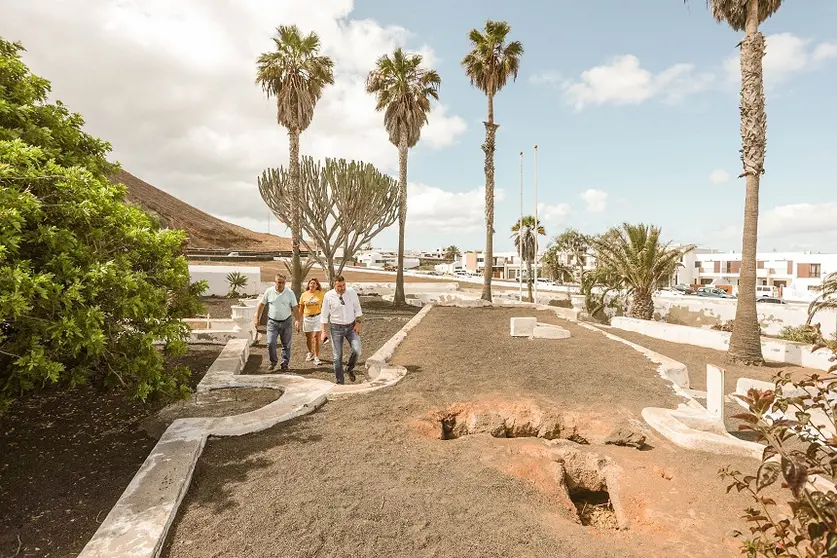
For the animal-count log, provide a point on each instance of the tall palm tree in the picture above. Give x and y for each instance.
(404, 90)
(746, 16)
(524, 233)
(489, 65)
(452, 252)
(296, 75)
(634, 252)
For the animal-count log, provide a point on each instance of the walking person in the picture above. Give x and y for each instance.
(341, 311)
(281, 313)
(310, 307)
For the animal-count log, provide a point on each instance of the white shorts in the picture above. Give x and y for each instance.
(311, 324)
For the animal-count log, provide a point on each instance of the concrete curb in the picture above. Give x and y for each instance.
(137, 525)
(381, 373)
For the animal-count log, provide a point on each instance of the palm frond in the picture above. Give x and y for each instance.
(403, 90)
(734, 12)
(492, 61)
(295, 74)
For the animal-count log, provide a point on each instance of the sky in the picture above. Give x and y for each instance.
(633, 107)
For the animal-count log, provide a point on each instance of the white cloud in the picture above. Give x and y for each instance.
(719, 176)
(550, 78)
(171, 86)
(786, 55)
(553, 214)
(799, 218)
(623, 81)
(596, 200)
(801, 226)
(440, 210)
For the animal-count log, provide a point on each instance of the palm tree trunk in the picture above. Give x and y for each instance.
(529, 278)
(296, 209)
(745, 342)
(488, 148)
(642, 305)
(400, 299)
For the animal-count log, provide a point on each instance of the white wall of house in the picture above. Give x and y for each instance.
(216, 276)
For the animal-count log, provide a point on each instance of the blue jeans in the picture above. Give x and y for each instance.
(338, 334)
(284, 330)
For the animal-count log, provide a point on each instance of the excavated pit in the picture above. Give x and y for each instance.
(511, 420)
(591, 482)
(595, 509)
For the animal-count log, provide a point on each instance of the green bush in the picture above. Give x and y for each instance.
(801, 334)
(88, 284)
(236, 280)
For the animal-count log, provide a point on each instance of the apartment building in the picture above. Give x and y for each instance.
(796, 275)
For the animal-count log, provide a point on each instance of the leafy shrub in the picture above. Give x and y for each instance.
(236, 280)
(88, 285)
(796, 450)
(807, 334)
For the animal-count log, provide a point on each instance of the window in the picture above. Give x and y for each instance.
(698, 265)
(814, 270)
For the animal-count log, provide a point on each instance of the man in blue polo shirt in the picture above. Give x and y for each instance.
(281, 311)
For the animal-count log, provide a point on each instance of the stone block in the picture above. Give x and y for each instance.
(549, 331)
(715, 391)
(523, 327)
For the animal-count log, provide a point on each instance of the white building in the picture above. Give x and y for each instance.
(795, 275)
(380, 259)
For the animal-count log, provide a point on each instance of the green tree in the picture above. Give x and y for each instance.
(88, 284)
(452, 252)
(524, 233)
(403, 89)
(489, 65)
(635, 253)
(746, 16)
(296, 75)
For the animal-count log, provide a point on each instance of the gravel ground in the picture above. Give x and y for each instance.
(696, 359)
(65, 458)
(380, 322)
(358, 478)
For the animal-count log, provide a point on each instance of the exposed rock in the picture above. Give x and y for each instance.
(625, 436)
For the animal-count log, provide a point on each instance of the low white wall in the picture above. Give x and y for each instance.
(216, 276)
(774, 350)
(702, 311)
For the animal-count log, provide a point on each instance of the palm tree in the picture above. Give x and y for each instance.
(403, 89)
(634, 252)
(296, 75)
(524, 233)
(827, 297)
(747, 15)
(452, 252)
(489, 65)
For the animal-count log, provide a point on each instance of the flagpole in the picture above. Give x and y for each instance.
(519, 240)
(536, 226)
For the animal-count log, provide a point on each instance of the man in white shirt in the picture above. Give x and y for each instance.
(341, 315)
(282, 307)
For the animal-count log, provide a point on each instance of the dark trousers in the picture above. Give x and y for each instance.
(283, 330)
(338, 334)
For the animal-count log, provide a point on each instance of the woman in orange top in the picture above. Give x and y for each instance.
(310, 305)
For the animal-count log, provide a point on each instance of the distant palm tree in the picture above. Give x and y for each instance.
(827, 297)
(296, 75)
(634, 253)
(747, 15)
(525, 234)
(404, 90)
(489, 65)
(452, 252)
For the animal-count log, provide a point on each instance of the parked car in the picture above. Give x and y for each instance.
(766, 291)
(771, 300)
(683, 289)
(712, 292)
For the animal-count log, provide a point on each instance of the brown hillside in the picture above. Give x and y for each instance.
(204, 230)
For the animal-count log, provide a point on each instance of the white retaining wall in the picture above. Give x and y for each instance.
(216, 276)
(700, 311)
(775, 350)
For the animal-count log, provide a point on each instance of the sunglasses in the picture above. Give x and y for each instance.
(341, 300)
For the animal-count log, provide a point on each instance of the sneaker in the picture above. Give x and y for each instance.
(272, 367)
(352, 376)
(317, 361)
(284, 367)
(309, 357)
